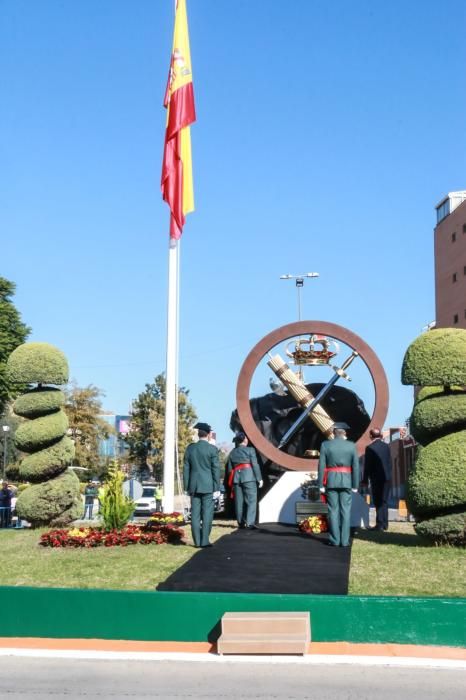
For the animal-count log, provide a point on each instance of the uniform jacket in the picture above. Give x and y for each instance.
(201, 470)
(339, 453)
(377, 462)
(243, 455)
(5, 498)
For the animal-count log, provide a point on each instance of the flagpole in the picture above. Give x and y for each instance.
(171, 379)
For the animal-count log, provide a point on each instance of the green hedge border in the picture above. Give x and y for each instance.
(194, 617)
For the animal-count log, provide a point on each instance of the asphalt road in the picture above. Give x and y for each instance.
(37, 679)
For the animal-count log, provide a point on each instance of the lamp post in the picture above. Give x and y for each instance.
(299, 280)
(6, 430)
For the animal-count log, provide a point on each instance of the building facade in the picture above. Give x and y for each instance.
(450, 261)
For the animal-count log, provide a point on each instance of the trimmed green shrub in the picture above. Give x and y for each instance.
(438, 479)
(436, 358)
(44, 503)
(36, 434)
(49, 462)
(37, 363)
(74, 512)
(444, 529)
(39, 402)
(438, 414)
(429, 391)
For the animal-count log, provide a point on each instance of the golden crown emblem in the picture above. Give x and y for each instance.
(315, 350)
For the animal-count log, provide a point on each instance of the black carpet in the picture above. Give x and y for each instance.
(272, 559)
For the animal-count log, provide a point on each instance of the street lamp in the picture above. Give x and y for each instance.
(299, 279)
(6, 430)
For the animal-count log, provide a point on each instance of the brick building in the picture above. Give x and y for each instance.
(450, 261)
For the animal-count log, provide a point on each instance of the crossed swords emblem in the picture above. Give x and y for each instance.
(339, 372)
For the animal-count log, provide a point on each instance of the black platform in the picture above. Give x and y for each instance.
(272, 559)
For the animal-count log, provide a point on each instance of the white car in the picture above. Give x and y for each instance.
(146, 505)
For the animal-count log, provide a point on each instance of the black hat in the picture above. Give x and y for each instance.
(341, 426)
(203, 426)
(239, 437)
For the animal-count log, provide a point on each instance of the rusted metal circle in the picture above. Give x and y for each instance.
(281, 334)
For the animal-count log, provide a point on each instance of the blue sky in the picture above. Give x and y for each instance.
(326, 134)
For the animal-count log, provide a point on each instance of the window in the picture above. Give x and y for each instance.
(464, 270)
(453, 237)
(455, 318)
(464, 228)
(454, 277)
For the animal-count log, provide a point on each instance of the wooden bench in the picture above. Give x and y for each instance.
(265, 633)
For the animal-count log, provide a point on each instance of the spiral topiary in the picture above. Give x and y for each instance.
(54, 496)
(436, 491)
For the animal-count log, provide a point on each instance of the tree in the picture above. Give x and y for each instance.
(146, 437)
(13, 332)
(87, 428)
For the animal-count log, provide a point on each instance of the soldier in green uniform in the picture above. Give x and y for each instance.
(201, 477)
(243, 476)
(338, 477)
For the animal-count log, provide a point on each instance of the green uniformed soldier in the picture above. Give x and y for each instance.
(243, 476)
(338, 477)
(201, 477)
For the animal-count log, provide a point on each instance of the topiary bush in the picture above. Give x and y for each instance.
(436, 358)
(438, 413)
(436, 491)
(444, 529)
(39, 402)
(54, 496)
(431, 489)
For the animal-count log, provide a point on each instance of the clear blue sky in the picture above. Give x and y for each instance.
(326, 134)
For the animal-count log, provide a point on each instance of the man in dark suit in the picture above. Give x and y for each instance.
(378, 473)
(338, 477)
(201, 479)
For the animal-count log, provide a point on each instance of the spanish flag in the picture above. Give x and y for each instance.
(177, 176)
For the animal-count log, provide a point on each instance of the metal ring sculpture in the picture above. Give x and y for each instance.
(281, 334)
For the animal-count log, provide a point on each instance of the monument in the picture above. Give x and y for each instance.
(288, 425)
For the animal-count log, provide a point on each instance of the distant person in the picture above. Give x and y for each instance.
(378, 473)
(159, 498)
(6, 494)
(243, 477)
(90, 492)
(338, 477)
(201, 479)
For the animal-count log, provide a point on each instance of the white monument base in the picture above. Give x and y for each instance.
(279, 504)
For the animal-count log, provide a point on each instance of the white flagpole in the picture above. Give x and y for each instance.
(171, 380)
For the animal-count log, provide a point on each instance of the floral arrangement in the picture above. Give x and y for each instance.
(99, 537)
(165, 519)
(314, 524)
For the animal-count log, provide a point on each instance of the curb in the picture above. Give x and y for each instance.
(319, 653)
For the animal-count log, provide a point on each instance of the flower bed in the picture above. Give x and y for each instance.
(314, 524)
(165, 519)
(98, 537)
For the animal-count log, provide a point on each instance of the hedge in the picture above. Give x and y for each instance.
(35, 434)
(49, 462)
(52, 502)
(444, 528)
(37, 363)
(438, 478)
(39, 402)
(438, 415)
(436, 358)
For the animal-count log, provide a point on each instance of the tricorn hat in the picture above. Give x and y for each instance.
(341, 426)
(203, 426)
(239, 437)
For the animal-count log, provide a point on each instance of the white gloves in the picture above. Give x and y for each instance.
(354, 490)
(216, 494)
(260, 484)
(322, 489)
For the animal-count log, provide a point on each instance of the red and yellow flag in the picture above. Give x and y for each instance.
(177, 176)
